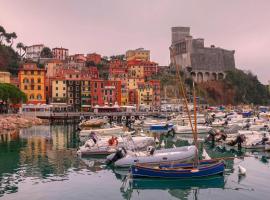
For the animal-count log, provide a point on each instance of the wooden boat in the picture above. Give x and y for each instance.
(184, 171)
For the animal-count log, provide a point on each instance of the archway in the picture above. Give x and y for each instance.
(214, 76)
(200, 77)
(220, 76)
(206, 76)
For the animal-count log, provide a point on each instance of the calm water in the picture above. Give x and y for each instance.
(41, 163)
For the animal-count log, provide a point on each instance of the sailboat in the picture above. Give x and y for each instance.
(196, 169)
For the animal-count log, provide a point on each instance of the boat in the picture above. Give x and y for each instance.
(107, 145)
(181, 171)
(177, 129)
(124, 158)
(161, 127)
(111, 130)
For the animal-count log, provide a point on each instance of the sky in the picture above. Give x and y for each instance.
(111, 27)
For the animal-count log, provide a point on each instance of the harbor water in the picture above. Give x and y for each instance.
(41, 163)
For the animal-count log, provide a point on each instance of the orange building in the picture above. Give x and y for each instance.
(32, 82)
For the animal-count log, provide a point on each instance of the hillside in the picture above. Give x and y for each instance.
(9, 59)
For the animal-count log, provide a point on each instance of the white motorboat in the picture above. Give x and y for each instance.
(106, 145)
(112, 130)
(125, 158)
(177, 129)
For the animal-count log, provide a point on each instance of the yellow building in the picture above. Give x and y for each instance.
(4, 77)
(138, 54)
(32, 83)
(145, 94)
(133, 83)
(58, 90)
(86, 94)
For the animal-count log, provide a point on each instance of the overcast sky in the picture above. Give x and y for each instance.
(111, 27)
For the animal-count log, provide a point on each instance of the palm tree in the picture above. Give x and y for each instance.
(21, 47)
(10, 37)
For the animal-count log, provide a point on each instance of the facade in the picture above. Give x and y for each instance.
(60, 53)
(105, 92)
(32, 83)
(86, 94)
(94, 57)
(138, 54)
(135, 69)
(59, 90)
(200, 62)
(52, 67)
(4, 77)
(33, 52)
(156, 98)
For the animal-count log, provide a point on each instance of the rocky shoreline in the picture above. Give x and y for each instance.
(16, 121)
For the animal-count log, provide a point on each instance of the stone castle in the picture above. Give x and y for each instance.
(200, 62)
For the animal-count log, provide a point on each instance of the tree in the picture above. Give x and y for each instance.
(11, 94)
(2, 34)
(46, 53)
(21, 47)
(10, 38)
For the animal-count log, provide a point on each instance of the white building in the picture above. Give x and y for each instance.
(33, 52)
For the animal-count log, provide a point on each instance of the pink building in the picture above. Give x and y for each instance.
(60, 53)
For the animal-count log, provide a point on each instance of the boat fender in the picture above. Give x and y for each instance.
(124, 117)
(105, 117)
(115, 118)
(141, 117)
(91, 117)
(132, 117)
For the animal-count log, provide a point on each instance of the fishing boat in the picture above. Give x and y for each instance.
(204, 169)
(124, 158)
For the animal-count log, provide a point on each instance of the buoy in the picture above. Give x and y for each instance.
(132, 117)
(115, 118)
(242, 170)
(162, 144)
(124, 118)
(205, 155)
(91, 117)
(105, 117)
(141, 117)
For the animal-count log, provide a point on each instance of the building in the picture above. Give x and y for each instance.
(73, 88)
(59, 92)
(60, 53)
(135, 69)
(32, 83)
(15, 81)
(86, 103)
(4, 77)
(33, 52)
(200, 62)
(138, 54)
(94, 57)
(52, 67)
(156, 98)
(105, 92)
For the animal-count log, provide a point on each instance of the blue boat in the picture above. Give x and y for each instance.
(181, 170)
(161, 127)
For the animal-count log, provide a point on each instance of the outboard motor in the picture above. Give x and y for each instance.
(120, 153)
(151, 150)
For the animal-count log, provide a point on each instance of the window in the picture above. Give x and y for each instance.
(25, 87)
(102, 85)
(32, 80)
(32, 72)
(110, 92)
(56, 82)
(77, 88)
(39, 97)
(56, 94)
(71, 101)
(39, 87)
(95, 84)
(64, 88)
(70, 95)
(77, 76)
(77, 95)
(77, 101)
(56, 88)
(71, 88)
(38, 72)
(64, 95)
(32, 87)
(25, 80)
(31, 96)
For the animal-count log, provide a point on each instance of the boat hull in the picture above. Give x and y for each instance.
(181, 173)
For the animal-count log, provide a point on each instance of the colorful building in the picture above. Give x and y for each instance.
(4, 77)
(94, 57)
(86, 94)
(138, 54)
(156, 99)
(32, 83)
(135, 69)
(145, 94)
(60, 53)
(52, 67)
(59, 92)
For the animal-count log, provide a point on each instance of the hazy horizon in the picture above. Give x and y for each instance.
(112, 27)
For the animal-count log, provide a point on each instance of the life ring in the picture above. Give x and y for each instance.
(105, 117)
(115, 118)
(132, 117)
(141, 117)
(124, 117)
